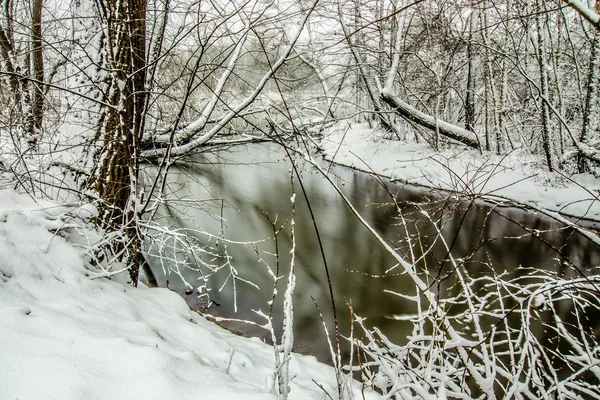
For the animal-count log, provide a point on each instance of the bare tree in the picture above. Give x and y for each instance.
(543, 63)
(470, 96)
(592, 92)
(22, 56)
(37, 64)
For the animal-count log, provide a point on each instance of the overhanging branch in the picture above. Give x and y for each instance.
(411, 114)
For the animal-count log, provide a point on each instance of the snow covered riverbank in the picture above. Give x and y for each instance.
(65, 335)
(517, 177)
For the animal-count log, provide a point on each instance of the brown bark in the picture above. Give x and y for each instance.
(117, 172)
(37, 58)
(6, 49)
(591, 92)
(470, 97)
(543, 64)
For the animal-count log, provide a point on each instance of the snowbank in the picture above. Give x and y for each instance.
(517, 177)
(66, 336)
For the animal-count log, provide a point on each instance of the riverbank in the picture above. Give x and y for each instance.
(518, 177)
(67, 333)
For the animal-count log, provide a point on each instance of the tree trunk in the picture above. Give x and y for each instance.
(443, 128)
(504, 82)
(491, 114)
(470, 98)
(542, 60)
(116, 175)
(592, 89)
(7, 51)
(555, 57)
(37, 58)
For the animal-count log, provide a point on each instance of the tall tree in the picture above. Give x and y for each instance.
(37, 64)
(116, 173)
(470, 96)
(592, 92)
(21, 52)
(544, 90)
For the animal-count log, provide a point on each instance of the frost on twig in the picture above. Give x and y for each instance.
(521, 335)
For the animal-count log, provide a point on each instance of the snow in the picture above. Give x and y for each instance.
(517, 177)
(66, 336)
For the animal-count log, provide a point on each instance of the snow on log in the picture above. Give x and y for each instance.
(410, 113)
(589, 152)
(586, 12)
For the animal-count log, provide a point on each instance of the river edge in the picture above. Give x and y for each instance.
(515, 180)
(241, 329)
(232, 157)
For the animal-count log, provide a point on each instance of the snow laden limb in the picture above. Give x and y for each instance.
(177, 250)
(186, 133)
(283, 351)
(411, 114)
(527, 333)
(200, 138)
(479, 332)
(408, 112)
(590, 15)
(555, 215)
(389, 96)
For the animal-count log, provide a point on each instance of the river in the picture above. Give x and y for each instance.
(228, 200)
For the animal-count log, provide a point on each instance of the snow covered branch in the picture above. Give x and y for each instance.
(203, 138)
(410, 113)
(590, 15)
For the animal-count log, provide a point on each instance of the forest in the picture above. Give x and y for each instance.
(104, 102)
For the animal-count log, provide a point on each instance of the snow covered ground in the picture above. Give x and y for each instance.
(65, 335)
(517, 177)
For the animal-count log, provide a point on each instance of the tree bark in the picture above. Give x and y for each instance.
(470, 97)
(492, 131)
(592, 16)
(116, 176)
(7, 49)
(543, 64)
(504, 83)
(37, 58)
(592, 90)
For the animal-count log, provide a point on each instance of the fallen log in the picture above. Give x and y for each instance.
(410, 113)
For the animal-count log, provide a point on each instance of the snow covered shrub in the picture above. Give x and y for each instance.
(507, 335)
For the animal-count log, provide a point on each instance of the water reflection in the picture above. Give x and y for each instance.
(231, 194)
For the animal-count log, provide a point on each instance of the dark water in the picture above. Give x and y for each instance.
(231, 194)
